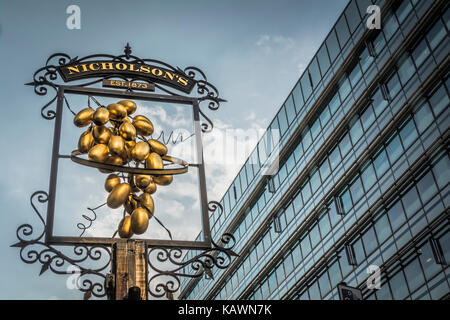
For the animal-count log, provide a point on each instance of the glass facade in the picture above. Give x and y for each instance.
(364, 170)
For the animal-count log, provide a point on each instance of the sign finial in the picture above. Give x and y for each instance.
(127, 50)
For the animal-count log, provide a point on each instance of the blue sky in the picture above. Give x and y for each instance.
(253, 51)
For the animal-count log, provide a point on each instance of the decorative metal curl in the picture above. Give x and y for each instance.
(47, 76)
(33, 249)
(168, 281)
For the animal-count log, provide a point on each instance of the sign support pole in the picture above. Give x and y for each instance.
(129, 268)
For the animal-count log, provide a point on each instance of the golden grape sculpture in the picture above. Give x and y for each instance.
(112, 139)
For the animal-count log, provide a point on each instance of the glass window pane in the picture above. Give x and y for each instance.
(334, 274)
(381, 164)
(365, 59)
(324, 117)
(332, 45)
(367, 117)
(345, 145)
(423, 117)
(414, 275)
(346, 201)
(335, 158)
(379, 43)
(390, 26)
(315, 129)
(420, 53)
(314, 292)
(282, 120)
(396, 216)
(383, 228)
(324, 61)
(405, 69)
(398, 286)
(306, 192)
(298, 97)
(442, 172)
(411, 202)
(324, 225)
(439, 100)
(394, 149)
(379, 103)
(334, 103)
(370, 241)
(324, 284)
(368, 177)
(356, 190)
(355, 75)
(356, 130)
(342, 31)
(403, 11)
(436, 34)
(429, 265)
(315, 181)
(306, 138)
(352, 15)
(393, 85)
(315, 72)
(408, 134)
(290, 109)
(314, 236)
(427, 188)
(359, 251)
(325, 170)
(306, 246)
(344, 87)
(306, 85)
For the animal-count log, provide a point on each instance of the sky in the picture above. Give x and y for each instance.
(252, 51)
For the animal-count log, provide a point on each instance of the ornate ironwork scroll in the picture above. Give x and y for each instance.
(33, 249)
(47, 77)
(165, 282)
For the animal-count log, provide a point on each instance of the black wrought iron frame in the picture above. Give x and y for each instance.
(213, 254)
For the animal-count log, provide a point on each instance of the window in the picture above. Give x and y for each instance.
(334, 104)
(368, 177)
(390, 26)
(352, 15)
(342, 31)
(436, 34)
(405, 69)
(356, 130)
(367, 117)
(429, 265)
(314, 72)
(306, 192)
(314, 292)
(355, 75)
(396, 215)
(420, 53)
(403, 11)
(332, 45)
(382, 228)
(381, 164)
(298, 97)
(393, 86)
(324, 225)
(334, 274)
(379, 102)
(370, 241)
(365, 59)
(408, 134)
(344, 87)
(398, 286)
(306, 246)
(394, 149)
(423, 117)
(414, 275)
(427, 187)
(442, 172)
(306, 86)
(315, 181)
(315, 129)
(306, 138)
(411, 202)
(325, 117)
(379, 43)
(283, 123)
(346, 201)
(356, 190)
(335, 158)
(315, 236)
(290, 109)
(324, 61)
(439, 100)
(272, 282)
(324, 169)
(324, 284)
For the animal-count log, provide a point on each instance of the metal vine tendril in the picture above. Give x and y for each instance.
(168, 281)
(33, 249)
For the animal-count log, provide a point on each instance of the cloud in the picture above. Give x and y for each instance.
(275, 43)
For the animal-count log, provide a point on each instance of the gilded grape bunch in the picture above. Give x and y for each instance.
(135, 168)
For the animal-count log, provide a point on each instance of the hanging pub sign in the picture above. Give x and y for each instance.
(77, 71)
